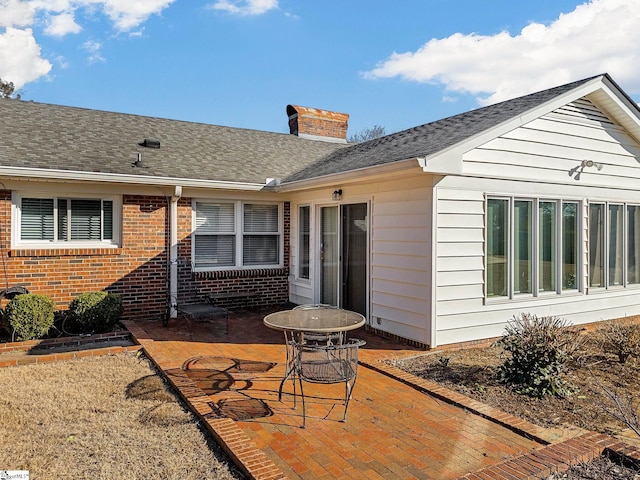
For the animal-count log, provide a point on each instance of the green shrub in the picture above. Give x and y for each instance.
(621, 338)
(539, 349)
(94, 312)
(30, 316)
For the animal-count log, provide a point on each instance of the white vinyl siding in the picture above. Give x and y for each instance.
(237, 235)
(545, 159)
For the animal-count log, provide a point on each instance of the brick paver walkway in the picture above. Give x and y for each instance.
(398, 426)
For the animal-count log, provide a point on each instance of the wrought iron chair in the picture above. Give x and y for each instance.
(330, 338)
(306, 337)
(326, 364)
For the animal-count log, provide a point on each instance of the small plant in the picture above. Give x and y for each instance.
(30, 316)
(94, 312)
(539, 347)
(620, 337)
(444, 361)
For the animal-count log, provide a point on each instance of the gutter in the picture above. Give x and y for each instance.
(351, 175)
(49, 174)
(173, 251)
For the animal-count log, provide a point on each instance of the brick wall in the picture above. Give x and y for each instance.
(138, 270)
(317, 122)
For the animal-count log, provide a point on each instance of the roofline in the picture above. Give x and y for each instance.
(349, 175)
(448, 160)
(51, 174)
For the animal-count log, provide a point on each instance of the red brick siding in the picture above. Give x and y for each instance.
(321, 127)
(138, 270)
(271, 284)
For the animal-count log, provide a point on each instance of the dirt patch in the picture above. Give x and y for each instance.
(473, 372)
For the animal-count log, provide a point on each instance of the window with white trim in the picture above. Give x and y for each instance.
(532, 247)
(60, 221)
(614, 245)
(304, 240)
(237, 235)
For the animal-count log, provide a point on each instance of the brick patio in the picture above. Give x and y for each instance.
(398, 426)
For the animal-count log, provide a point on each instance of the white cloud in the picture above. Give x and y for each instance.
(598, 36)
(15, 13)
(61, 25)
(25, 66)
(20, 56)
(245, 7)
(93, 48)
(128, 14)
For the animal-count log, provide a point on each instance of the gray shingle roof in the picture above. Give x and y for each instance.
(427, 139)
(44, 136)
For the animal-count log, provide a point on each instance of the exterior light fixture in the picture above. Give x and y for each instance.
(337, 194)
(591, 163)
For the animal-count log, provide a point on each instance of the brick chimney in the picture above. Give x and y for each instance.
(317, 124)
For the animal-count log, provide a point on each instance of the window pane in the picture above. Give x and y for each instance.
(596, 245)
(522, 248)
(215, 250)
(86, 220)
(633, 236)
(260, 218)
(547, 246)
(304, 220)
(616, 247)
(63, 219)
(570, 246)
(260, 250)
(36, 222)
(497, 245)
(107, 213)
(215, 218)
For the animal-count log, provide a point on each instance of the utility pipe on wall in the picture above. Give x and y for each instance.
(173, 251)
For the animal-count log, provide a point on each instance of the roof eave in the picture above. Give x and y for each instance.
(78, 176)
(349, 176)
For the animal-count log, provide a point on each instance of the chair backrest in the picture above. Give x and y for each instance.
(327, 363)
(313, 306)
(328, 338)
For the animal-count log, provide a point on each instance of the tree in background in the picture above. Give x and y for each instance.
(8, 90)
(376, 131)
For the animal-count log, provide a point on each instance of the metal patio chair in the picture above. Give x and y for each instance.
(306, 337)
(329, 338)
(326, 364)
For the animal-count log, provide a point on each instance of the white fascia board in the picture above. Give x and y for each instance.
(619, 107)
(66, 175)
(350, 176)
(449, 160)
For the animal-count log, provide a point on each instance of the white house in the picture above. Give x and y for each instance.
(438, 234)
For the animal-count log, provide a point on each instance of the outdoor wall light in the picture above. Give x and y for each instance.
(591, 163)
(337, 194)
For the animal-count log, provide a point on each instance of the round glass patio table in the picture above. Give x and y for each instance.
(315, 320)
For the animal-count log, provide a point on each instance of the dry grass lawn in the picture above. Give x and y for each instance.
(101, 418)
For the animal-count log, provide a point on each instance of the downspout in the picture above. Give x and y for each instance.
(173, 251)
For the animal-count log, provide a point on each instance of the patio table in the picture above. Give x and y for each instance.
(317, 320)
(295, 323)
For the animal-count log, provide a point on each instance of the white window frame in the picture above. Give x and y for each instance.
(16, 214)
(238, 233)
(607, 246)
(535, 280)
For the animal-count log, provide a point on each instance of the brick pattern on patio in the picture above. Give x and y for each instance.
(398, 426)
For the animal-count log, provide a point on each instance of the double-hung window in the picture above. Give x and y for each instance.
(56, 221)
(532, 246)
(614, 245)
(237, 235)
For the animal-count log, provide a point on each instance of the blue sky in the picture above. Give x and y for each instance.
(240, 62)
